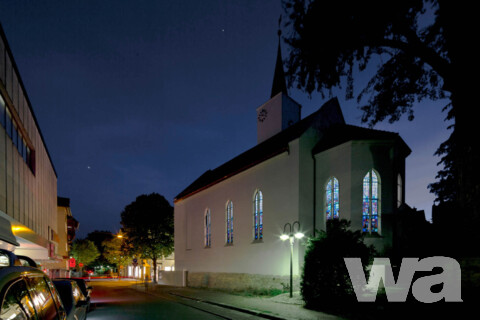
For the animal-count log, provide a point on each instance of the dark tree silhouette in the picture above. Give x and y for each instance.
(98, 236)
(148, 225)
(424, 50)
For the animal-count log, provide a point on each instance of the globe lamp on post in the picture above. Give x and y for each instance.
(291, 235)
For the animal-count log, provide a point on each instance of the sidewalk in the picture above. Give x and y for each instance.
(277, 307)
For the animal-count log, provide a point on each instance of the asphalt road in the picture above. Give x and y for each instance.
(116, 300)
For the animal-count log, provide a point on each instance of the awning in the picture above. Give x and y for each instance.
(7, 238)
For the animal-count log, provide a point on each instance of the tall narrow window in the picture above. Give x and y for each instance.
(371, 205)
(399, 190)
(229, 220)
(29, 159)
(208, 229)
(15, 134)
(8, 123)
(258, 215)
(332, 199)
(2, 111)
(24, 150)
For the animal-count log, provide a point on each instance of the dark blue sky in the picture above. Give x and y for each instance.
(144, 96)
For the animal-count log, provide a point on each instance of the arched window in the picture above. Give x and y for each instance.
(229, 221)
(332, 199)
(371, 203)
(208, 228)
(399, 190)
(258, 215)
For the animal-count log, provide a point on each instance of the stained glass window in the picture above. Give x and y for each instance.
(332, 203)
(229, 218)
(208, 229)
(371, 205)
(258, 215)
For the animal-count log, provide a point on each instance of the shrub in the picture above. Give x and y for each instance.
(325, 283)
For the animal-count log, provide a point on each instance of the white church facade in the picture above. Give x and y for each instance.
(228, 222)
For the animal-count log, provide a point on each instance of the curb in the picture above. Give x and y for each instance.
(255, 313)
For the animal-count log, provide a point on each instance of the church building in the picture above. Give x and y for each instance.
(301, 173)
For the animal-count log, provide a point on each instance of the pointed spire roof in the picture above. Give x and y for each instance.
(279, 83)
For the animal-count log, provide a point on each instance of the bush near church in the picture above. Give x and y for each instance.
(325, 283)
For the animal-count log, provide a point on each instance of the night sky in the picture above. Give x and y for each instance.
(136, 97)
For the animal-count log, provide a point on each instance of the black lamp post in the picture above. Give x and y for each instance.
(291, 235)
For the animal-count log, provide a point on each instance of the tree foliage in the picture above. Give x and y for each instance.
(84, 251)
(421, 49)
(98, 237)
(117, 251)
(325, 280)
(148, 224)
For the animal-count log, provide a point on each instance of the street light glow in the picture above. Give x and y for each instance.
(299, 235)
(291, 236)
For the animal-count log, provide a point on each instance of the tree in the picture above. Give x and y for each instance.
(325, 282)
(84, 251)
(117, 251)
(423, 51)
(148, 224)
(98, 237)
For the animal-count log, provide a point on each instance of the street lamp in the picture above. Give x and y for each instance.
(291, 235)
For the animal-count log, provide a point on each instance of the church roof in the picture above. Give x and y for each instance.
(339, 134)
(327, 115)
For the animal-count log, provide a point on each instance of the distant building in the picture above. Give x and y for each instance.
(28, 181)
(228, 221)
(65, 213)
(67, 227)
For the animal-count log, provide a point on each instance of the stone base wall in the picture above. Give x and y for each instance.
(241, 281)
(172, 278)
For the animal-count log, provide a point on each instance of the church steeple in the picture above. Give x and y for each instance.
(281, 111)
(279, 84)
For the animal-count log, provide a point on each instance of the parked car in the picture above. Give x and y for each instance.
(82, 284)
(26, 292)
(73, 300)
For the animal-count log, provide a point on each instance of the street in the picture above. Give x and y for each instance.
(127, 299)
(114, 299)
